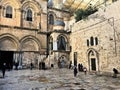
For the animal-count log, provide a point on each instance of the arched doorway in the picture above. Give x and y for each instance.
(29, 47)
(93, 60)
(8, 45)
(62, 62)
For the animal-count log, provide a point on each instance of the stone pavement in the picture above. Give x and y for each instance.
(56, 79)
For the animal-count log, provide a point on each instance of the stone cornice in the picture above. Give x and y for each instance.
(61, 10)
(61, 31)
(24, 28)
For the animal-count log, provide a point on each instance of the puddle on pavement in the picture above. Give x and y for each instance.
(67, 86)
(32, 78)
(43, 79)
(40, 79)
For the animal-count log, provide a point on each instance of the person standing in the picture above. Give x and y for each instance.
(70, 65)
(75, 71)
(115, 72)
(85, 70)
(3, 69)
(79, 67)
(31, 66)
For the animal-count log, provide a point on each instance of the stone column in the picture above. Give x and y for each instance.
(55, 45)
(20, 60)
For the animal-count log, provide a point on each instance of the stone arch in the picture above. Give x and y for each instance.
(66, 39)
(35, 6)
(36, 9)
(9, 42)
(93, 59)
(33, 42)
(13, 3)
(51, 13)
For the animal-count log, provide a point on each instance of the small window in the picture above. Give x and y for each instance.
(96, 41)
(8, 12)
(29, 15)
(87, 42)
(91, 41)
(51, 19)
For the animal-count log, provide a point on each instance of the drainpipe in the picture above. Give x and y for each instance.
(111, 22)
(47, 49)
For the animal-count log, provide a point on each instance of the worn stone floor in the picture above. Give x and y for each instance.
(56, 79)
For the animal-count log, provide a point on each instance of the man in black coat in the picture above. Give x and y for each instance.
(3, 69)
(75, 71)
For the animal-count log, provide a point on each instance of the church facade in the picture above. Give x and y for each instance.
(40, 31)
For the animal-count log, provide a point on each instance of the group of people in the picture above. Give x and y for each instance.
(76, 71)
(115, 71)
(80, 68)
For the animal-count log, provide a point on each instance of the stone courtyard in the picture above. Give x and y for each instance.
(56, 79)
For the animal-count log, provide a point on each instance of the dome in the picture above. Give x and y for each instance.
(59, 23)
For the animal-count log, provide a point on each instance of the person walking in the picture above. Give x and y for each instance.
(70, 65)
(85, 70)
(3, 69)
(31, 66)
(79, 67)
(75, 71)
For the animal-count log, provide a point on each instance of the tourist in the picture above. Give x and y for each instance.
(3, 69)
(85, 70)
(75, 71)
(31, 66)
(70, 65)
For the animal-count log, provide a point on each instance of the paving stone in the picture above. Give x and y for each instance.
(56, 79)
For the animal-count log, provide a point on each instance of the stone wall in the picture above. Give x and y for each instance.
(26, 39)
(104, 25)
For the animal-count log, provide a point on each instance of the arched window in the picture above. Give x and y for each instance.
(91, 41)
(29, 15)
(96, 41)
(51, 19)
(8, 12)
(91, 53)
(61, 43)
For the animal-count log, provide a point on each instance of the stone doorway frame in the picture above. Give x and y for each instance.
(93, 54)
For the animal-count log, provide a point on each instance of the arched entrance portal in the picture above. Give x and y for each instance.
(93, 60)
(8, 44)
(30, 51)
